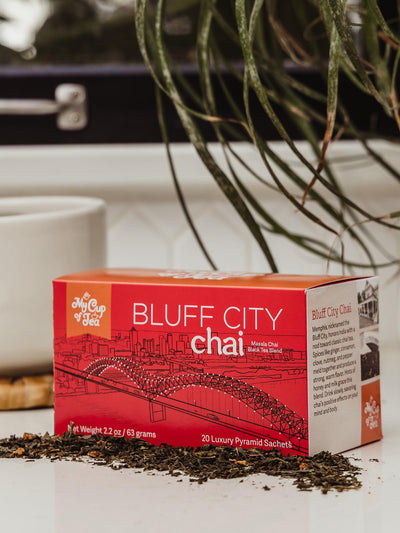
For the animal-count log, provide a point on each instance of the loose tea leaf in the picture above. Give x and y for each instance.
(324, 470)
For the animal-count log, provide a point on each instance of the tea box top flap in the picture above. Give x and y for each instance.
(203, 277)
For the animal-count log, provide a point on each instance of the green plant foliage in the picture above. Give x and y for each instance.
(267, 36)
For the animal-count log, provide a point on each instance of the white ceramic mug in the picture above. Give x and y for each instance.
(41, 238)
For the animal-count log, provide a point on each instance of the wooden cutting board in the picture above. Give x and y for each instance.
(26, 392)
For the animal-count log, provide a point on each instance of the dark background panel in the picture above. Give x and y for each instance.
(121, 102)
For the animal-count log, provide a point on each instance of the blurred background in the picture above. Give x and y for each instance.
(114, 148)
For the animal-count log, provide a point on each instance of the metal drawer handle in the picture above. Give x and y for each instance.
(70, 106)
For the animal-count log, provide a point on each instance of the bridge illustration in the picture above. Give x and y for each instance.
(160, 390)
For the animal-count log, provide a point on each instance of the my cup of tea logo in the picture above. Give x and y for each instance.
(372, 412)
(88, 309)
(371, 426)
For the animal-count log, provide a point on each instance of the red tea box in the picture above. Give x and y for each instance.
(237, 359)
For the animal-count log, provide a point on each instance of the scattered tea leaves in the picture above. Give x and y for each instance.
(323, 471)
(18, 452)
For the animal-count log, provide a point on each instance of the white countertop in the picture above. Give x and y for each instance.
(66, 497)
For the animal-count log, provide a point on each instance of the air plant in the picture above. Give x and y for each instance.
(335, 39)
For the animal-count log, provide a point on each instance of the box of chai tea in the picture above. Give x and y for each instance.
(237, 359)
